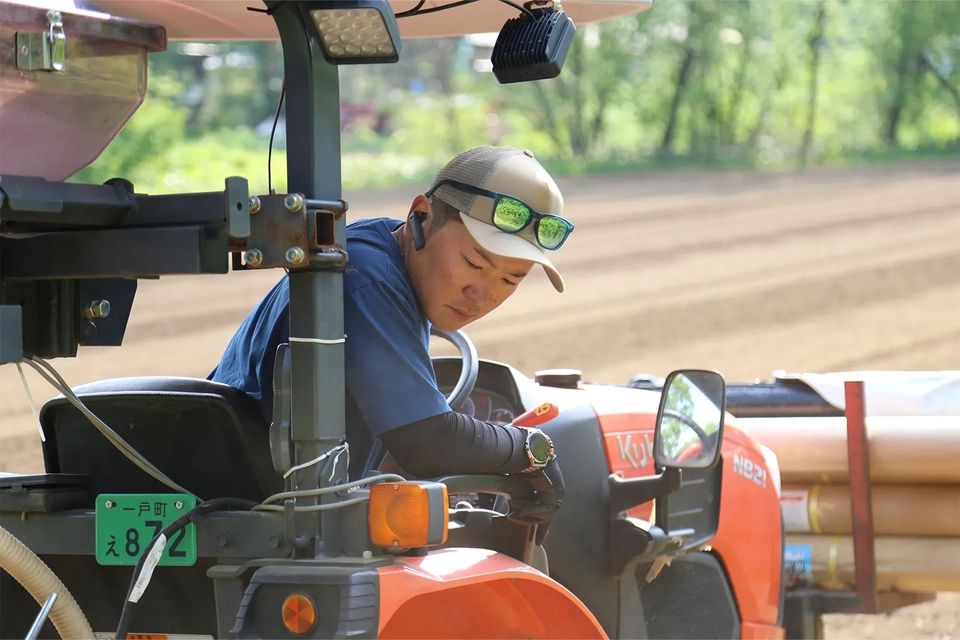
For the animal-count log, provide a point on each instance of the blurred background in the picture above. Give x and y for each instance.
(757, 185)
(705, 83)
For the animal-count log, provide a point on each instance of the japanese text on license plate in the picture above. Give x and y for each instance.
(126, 523)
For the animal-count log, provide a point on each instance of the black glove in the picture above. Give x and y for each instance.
(547, 484)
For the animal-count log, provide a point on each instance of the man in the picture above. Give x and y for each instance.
(491, 214)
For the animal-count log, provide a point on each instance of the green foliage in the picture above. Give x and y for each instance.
(703, 82)
(673, 432)
(154, 130)
(684, 403)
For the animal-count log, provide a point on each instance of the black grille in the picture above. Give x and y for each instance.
(689, 599)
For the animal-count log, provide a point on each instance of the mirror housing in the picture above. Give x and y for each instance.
(689, 428)
(688, 437)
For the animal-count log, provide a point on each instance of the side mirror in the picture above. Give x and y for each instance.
(689, 428)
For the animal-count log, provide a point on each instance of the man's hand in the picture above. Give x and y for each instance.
(547, 484)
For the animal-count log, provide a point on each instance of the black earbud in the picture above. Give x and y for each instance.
(416, 228)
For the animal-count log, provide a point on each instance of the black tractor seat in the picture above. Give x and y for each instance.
(208, 437)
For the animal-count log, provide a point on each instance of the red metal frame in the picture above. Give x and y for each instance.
(861, 498)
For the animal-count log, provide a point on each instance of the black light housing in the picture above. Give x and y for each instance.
(533, 48)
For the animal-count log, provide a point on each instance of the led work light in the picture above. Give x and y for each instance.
(358, 32)
(533, 46)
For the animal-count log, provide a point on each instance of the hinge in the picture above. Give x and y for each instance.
(43, 51)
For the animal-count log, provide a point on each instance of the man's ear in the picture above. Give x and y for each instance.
(422, 204)
(420, 212)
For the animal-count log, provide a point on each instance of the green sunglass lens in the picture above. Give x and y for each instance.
(510, 215)
(551, 232)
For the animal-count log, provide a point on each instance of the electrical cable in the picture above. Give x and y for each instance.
(417, 11)
(148, 560)
(421, 12)
(313, 508)
(138, 459)
(143, 571)
(311, 493)
(522, 8)
(273, 131)
(33, 406)
(132, 454)
(410, 12)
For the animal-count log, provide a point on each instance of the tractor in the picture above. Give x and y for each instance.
(170, 508)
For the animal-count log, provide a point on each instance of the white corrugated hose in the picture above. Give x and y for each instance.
(37, 578)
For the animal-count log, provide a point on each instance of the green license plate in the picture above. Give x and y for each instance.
(127, 522)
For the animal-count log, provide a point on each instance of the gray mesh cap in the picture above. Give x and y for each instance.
(511, 172)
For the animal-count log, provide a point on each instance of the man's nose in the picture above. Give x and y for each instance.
(476, 292)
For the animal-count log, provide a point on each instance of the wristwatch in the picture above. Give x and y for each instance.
(539, 449)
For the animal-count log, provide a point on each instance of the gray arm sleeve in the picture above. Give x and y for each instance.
(454, 443)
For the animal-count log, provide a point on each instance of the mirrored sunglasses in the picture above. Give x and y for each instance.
(511, 215)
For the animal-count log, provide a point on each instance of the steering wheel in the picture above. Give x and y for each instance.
(468, 370)
(687, 420)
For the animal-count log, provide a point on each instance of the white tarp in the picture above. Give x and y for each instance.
(890, 393)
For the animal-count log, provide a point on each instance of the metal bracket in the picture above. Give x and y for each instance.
(290, 527)
(45, 51)
(290, 231)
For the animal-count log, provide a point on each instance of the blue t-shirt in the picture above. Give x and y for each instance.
(390, 379)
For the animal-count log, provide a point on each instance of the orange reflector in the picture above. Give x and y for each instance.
(408, 514)
(299, 613)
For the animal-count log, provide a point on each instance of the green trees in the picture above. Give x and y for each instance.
(705, 81)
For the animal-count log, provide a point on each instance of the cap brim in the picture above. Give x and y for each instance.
(510, 246)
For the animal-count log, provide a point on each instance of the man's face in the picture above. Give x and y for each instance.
(457, 281)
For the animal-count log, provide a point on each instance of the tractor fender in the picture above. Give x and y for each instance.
(477, 593)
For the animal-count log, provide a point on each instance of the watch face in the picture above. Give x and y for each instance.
(539, 447)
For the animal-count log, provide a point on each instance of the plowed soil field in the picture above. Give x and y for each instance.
(744, 272)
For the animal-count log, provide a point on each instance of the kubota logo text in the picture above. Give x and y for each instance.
(636, 455)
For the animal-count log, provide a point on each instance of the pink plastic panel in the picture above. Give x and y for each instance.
(52, 124)
(230, 19)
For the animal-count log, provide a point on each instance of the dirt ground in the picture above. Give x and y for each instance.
(743, 272)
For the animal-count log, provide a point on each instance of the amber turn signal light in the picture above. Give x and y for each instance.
(408, 514)
(299, 613)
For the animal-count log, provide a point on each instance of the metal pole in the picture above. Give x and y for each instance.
(861, 496)
(41, 617)
(316, 293)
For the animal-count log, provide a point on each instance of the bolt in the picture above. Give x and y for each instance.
(254, 205)
(54, 16)
(368, 554)
(396, 543)
(110, 504)
(293, 202)
(295, 255)
(97, 309)
(224, 540)
(253, 257)
(396, 488)
(178, 504)
(275, 542)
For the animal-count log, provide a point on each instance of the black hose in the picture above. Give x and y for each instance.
(202, 509)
